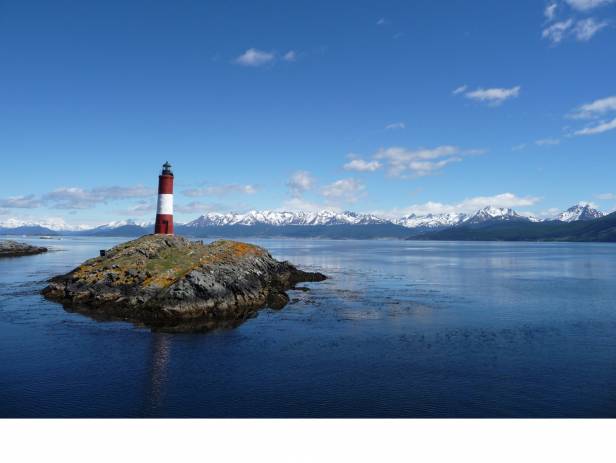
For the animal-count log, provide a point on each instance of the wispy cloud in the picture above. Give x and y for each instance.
(395, 126)
(519, 147)
(143, 207)
(607, 196)
(346, 190)
(221, 190)
(255, 58)
(80, 198)
(300, 182)
(289, 56)
(382, 22)
(595, 108)
(547, 141)
(491, 96)
(300, 204)
(579, 29)
(197, 207)
(361, 165)
(21, 202)
(556, 32)
(585, 29)
(597, 129)
(586, 5)
(550, 11)
(460, 89)
(403, 162)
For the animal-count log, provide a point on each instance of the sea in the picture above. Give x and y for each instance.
(400, 329)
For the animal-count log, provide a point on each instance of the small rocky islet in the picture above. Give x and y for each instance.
(171, 283)
(10, 248)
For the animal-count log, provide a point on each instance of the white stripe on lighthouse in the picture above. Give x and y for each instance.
(165, 204)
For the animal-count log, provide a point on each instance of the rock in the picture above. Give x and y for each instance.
(10, 248)
(174, 284)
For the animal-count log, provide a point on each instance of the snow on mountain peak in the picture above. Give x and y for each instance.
(581, 211)
(431, 220)
(494, 213)
(123, 223)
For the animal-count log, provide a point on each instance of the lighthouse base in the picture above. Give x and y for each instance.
(164, 224)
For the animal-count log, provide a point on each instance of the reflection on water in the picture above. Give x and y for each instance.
(400, 329)
(161, 346)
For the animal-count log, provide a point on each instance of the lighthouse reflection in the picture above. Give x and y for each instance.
(159, 370)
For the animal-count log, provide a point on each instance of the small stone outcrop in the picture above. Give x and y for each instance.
(174, 284)
(9, 248)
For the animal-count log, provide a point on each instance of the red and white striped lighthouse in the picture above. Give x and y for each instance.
(164, 211)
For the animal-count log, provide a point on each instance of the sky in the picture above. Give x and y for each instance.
(388, 107)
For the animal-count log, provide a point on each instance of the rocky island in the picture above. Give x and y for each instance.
(174, 284)
(9, 248)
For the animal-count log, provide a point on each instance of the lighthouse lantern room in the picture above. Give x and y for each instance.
(164, 211)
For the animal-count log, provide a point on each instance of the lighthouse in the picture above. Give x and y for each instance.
(164, 210)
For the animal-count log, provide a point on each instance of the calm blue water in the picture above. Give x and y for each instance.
(402, 329)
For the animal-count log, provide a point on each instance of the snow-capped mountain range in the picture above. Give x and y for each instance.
(55, 224)
(581, 211)
(285, 218)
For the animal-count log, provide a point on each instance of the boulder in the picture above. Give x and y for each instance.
(9, 248)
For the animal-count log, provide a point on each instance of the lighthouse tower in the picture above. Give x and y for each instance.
(164, 211)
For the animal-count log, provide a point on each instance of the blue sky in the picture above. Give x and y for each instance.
(383, 106)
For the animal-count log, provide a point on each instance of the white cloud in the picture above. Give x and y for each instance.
(300, 182)
(143, 207)
(493, 96)
(589, 204)
(395, 126)
(360, 165)
(253, 57)
(550, 11)
(594, 109)
(550, 213)
(519, 147)
(597, 129)
(221, 190)
(299, 204)
(586, 5)
(585, 29)
(197, 207)
(469, 205)
(607, 196)
(382, 22)
(582, 30)
(547, 141)
(460, 89)
(403, 162)
(346, 190)
(79, 198)
(291, 55)
(500, 200)
(21, 202)
(557, 31)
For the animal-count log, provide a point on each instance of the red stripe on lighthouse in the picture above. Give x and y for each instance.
(165, 185)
